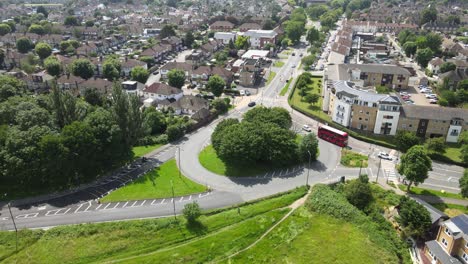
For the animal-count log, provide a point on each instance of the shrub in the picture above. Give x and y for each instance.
(191, 212)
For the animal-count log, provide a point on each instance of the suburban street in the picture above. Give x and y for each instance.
(82, 206)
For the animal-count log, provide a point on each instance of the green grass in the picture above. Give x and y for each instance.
(286, 87)
(156, 184)
(210, 161)
(353, 159)
(315, 110)
(451, 210)
(453, 152)
(278, 64)
(314, 238)
(422, 191)
(271, 77)
(114, 240)
(140, 151)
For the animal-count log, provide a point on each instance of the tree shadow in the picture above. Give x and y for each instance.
(196, 227)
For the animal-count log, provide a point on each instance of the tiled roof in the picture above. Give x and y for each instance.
(434, 113)
(162, 89)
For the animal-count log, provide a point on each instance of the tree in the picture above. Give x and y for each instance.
(453, 19)
(4, 29)
(275, 115)
(218, 134)
(313, 35)
(220, 105)
(191, 212)
(405, 140)
(216, 85)
(189, 39)
(415, 165)
(434, 41)
(294, 30)
(171, 3)
(359, 192)
(312, 98)
(37, 29)
(89, 23)
(463, 140)
(315, 11)
(406, 35)
(167, 31)
(175, 132)
(242, 42)
(71, 21)
(176, 78)
(64, 107)
(154, 120)
(93, 97)
(111, 69)
(268, 24)
(82, 68)
(423, 56)
(436, 145)
(447, 66)
(139, 74)
(308, 144)
(42, 10)
(427, 15)
(410, 48)
(464, 184)
(414, 217)
(23, 45)
(43, 50)
(52, 65)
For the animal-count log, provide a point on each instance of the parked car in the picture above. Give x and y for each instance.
(409, 102)
(405, 97)
(306, 128)
(431, 96)
(242, 92)
(426, 91)
(251, 104)
(433, 101)
(404, 93)
(384, 155)
(247, 92)
(293, 54)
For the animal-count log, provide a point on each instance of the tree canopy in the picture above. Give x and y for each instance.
(414, 217)
(139, 74)
(82, 68)
(415, 165)
(176, 78)
(43, 50)
(216, 85)
(406, 139)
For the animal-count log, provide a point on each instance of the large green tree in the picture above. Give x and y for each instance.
(111, 69)
(406, 139)
(427, 15)
(43, 50)
(71, 21)
(415, 165)
(447, 66)
(410, 48)
(37, 29)
(24, 45)
(139, 74)
(423, 56)
(82, 68)
(176, 78)
(52, 65)
(294, 30)
(242, 42)
(167, 31)
(189, 39)
(414, 217)
(308, 148)
(359, 192)
(216, 85)
(4, 29)
(276, 115)
(464, 184)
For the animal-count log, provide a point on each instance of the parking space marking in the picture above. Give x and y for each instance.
(79, 207)
(107, 205)
(181, 198)
(23, 216)
(163, 201)
(143, 203)
(125, 205)
(190, 198)
(134, 204)
(97, 208)
(4, 218)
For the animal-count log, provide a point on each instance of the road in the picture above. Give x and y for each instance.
(83, 208)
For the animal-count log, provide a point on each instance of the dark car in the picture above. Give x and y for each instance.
(251, 104)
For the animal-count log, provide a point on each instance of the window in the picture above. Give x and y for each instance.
(388, 117)
(444, 242)
(360, 118)
(367, 113)
(432, 255)
(410, 125)
(447, 231)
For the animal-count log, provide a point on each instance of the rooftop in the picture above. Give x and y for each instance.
(434, 113)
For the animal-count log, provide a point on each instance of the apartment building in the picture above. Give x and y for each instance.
(451, 243)
(260, 38)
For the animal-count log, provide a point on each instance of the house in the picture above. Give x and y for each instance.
(249, 26)
(225, 37)
(101, 85)
(202, 74)
(157, 52)
(256, 54)
(222, 26)
(128, 64)
(69, 82)
(260, 38)
(132, 87)
(186, 67)
(161, 91)
(440, 26)
(338, 53)
(451, 243)
(189, 105)
(174, 42)
(451, 78)
(429, 121)
(39, 82)
(434, 65)
(249, 72)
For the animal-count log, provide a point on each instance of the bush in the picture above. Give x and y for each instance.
(192, 212)
(174, 132)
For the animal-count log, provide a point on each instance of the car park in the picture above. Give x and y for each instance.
(306, 128)
(251, 104)
(384, 155)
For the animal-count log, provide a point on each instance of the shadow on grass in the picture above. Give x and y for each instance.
(196, 227)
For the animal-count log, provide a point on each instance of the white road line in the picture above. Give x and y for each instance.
(98, 207)
(441, 186)
(143, 203)
(106, 206)
(153, 202)
(372, 174)
(125, 205)
(78, 208)
(442, 174)
(134, 204)
(190, 198)
(163, 201)
(88, 206)
(63, 212)
(115, 205)
(181, 199)
(172, 200)
(27, 216)
(4, 218)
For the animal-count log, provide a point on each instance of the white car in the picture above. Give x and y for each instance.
(426, 91)
(433, 101)
(431, 96)
(384, 155)
(306, 128)
(242, 92)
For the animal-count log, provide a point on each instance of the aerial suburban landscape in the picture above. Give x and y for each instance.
(234, 131)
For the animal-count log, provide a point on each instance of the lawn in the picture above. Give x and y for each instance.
(156, 184)
(286, 87)
(278, 64)
(140, 151)
(315, 110)
(210, 161)
(422, 191)
(314, 238)
(353, 159)
(453, 152)
(451, 210)
(103, 242)
(271, 77)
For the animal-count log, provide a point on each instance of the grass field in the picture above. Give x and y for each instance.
(278, 64)
(103, 242)
(451, 210)
(353, 159)
(316, 109)
(271, 77)
(210, 161)
(421, 191)
(140, 151)
(313, 238)
(286, 87)
(156, 184)
(453, 152)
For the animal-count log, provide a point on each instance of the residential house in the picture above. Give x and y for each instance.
(430, 121)
(132, 87)
(249, 26)
(440, 26)
(189, 105)
(249, 72)
(69, 82)
(451, 78)
(202, 74)
(260, 38)
(186, 67)
(158, 52)
(161, 91)
(128, 64)
(101, 85)
(222, 26)
(39, 82)
(434, 65)
(225, 37)
(174, 42)
(210, 48)
(451, 243)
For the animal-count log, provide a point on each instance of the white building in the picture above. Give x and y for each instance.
(225, 37)
(260, 38)
(388, 115)
(161, 91)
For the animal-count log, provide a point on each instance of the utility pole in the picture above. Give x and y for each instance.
(173, 200)
(378, 171)
(14, 224)
(308, 169)
(360, 168)
(178, 161)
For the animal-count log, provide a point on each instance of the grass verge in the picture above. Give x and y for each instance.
(140, 151)
(278, 64)
(271, 77)
(210, 161)
(451, 210)
(286, 87)
(422, 191)
(156, 184)
(353, 159)
(102, 242)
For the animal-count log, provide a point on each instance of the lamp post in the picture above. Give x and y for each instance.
(178, 160)
(360, 168)
(14, 223)
(378, 171)
(173, 200)
(308, 169)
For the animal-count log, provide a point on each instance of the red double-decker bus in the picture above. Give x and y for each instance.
(333, 135)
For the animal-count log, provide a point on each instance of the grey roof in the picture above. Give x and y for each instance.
(347, 87)
(436, 214)
(374, 68)
(461, 222)
(440, 253)
(434, 113)
(391, 99)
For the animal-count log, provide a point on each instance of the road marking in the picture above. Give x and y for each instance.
(440, 186)
(98, 207)
(181, 199)
(143, 203)
(125, 205)
(4, 218)
(134, 204)
(27, 216)
(172, 200)
(163, 201)
(79, 208)
(153, 202)
(85, 210)
(190, 198)
(107, 205)
(41, 208)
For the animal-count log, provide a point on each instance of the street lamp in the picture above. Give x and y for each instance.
(378, 171)
(308, 169)
(173, 200)
(178, 160)
(14, 224)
